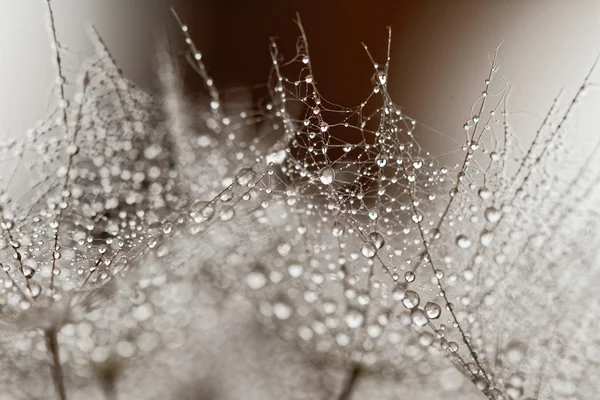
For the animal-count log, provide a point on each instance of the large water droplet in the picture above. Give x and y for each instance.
(433, 310)
(411, 299)
(418, 317)
(327, 175)
(368, 249)
(377, 239)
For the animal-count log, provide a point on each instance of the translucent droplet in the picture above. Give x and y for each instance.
(202, 211)
(381, 160)
(418, 317)
(515, 352)
(245, 176)
(399, 293)
(416, 218)
(463, 242)
(327, 175)
(486, 238)
(338, 229)
(256, 279)
(374, 330)
(354, 318)
(433, 310)
(35, 289)
(368, 249)
(492, 215)
(484, 193)
(227, 214)
(329, 306)
(409, 276)
(411, 299)
(28, 272)
(377, 239)
(167, 228)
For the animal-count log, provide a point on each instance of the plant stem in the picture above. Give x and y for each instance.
(350, 383)
(110, 391)
(50, 337)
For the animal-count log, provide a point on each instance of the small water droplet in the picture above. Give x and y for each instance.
(463, 242)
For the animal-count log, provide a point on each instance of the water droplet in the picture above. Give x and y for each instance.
(399, 293)
(418, 317)
(492, 215)
(368, 249)
(256, 279)
(282, 310)
(295, 270)
(377, 239)
(327, 175)
(416, 218)
(463, 242)
(245, 176)
(484, 193)
(167, 228)
(28, 272)
(35, 289)
(409, 276)
(354, 318)
(411, 299)
(433, 310)
(374, 331)
(486, 238)
(338, 229)
(202, 211)
(227, 214)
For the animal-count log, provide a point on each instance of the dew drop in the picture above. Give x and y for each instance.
(433, 310)
(368, 249)
(411, 299)
(418, 317)
(354, 318)
(463, 242)
(282, 310)
(327, 175)
(256, 279)
(227, 214)
(295, 270)
(492, 215)
(377, 239)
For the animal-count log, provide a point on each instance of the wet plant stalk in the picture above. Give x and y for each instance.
(50, 337)
(350, 383)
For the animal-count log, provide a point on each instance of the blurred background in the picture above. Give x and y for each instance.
(440, 49)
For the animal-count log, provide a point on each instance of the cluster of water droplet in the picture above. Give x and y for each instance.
(349, 236)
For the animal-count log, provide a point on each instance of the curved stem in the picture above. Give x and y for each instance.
(50, 337)
(350, 383)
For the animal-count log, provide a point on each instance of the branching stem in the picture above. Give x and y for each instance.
(350, 383)
(50, 337)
